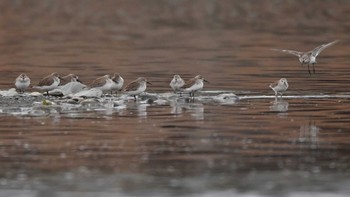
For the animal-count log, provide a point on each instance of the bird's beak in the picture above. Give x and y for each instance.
(205, 81)
(149, 82)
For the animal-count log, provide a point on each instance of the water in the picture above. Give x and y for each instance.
(254, 146)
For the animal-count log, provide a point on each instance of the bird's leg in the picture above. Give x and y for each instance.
(313, 67)
(134, 98)
(192, 97)
(308, 69)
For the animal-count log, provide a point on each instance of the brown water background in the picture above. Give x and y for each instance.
(261, 147)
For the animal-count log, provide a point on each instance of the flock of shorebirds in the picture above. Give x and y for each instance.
(309, 58)
(72, 85)
(106, 83)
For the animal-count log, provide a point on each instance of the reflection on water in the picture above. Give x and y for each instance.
(279, 105)
(196, 110)
(133, 146)
(309, 134)
(142, 110)
(239, 143)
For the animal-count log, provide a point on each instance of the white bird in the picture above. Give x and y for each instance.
(69, 78)
(71, 85)
(176, 83)
(118, 83)
(308, 57)
(103, 83)
(49, 82)
(136, 87)
(280, 86)
(194, 85)
(22, 82)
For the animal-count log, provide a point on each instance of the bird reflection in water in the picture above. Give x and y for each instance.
(309, 134)
(142, 110)
(279, 105)
(138, 109)
(196, 110)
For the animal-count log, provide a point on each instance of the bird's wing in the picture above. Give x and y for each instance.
(65, 79)
(296, 53)
(132, 86)
(274, 84)
(189, 83)
(98, 82)
(46, 81)
(320, 48)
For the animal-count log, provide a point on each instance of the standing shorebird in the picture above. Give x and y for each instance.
(280, 86)
(194, 85)
(48, 83)
(22, 82)
(103, 83)
(308, 57)
(136, 87)
(69, 78)
(117, 84)
(176, 83)
(70, 84)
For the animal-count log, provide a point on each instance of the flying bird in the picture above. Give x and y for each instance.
(308, 57)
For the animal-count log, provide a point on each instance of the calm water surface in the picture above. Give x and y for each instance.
(252, 147)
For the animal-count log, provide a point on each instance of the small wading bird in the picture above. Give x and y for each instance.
(117, 84)
(22, 82)
(279, 87)
(176, 83)
(48, 83)
(308, 57)
(136, 87)
(194, 85)
(70, 84)
(103, 83)
(69, 78)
